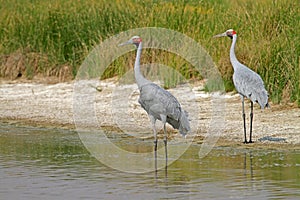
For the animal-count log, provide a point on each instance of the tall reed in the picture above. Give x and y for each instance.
(64, 31)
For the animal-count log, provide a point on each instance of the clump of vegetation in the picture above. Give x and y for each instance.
(61, 33)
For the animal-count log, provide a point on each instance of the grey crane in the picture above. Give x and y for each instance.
(247, 83)
(157, 102)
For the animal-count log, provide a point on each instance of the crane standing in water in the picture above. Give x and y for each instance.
(157, 102)
(247, 83)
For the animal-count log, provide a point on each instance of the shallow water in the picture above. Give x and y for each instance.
(41, 163)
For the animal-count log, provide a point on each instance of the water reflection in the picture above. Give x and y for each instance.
(166, 164)
(38, 163)
(248, 166)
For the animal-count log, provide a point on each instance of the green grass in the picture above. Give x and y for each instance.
(62, 32)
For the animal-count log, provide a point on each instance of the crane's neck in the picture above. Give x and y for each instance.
(139, 78)
(233, 58)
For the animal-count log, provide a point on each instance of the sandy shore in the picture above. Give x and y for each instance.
(116, 107)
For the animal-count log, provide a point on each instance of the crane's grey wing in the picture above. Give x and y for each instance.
(157, 101)
(249, 84)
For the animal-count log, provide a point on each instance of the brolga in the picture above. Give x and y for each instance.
(157, 102)
(247, 83)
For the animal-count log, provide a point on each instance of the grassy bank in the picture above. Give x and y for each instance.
(52, 38)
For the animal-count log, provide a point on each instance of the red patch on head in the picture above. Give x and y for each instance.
(137, 40)
(233, 32)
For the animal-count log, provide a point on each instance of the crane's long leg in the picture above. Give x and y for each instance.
(165, 141)
(155, 163)
(244, 119)
(153, 120)
(164, 120)
(251, 120)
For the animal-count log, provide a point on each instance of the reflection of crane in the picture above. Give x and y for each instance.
(158, 103)
(247, 82)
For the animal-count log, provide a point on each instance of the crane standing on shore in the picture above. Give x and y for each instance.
(247, 83)
(157, 102)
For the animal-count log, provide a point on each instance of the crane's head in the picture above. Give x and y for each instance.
(230, 33)
(136, 40)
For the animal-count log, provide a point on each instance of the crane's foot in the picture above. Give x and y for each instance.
(248, 142)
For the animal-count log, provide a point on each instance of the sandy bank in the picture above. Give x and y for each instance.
(116, 106)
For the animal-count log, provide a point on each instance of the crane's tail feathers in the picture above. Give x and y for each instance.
(186, 113)
(184, 124)
(268, 105)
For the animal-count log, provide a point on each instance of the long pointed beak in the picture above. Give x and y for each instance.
(124, 43)
(220, 35)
